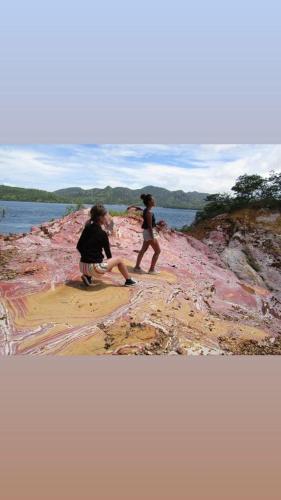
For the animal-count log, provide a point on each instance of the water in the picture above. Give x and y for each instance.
(20, 216)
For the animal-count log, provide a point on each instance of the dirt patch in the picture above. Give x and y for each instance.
(6, 270)
(269, 346)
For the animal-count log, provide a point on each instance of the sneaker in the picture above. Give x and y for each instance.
(138, 270)
(153, 272)
(130, 282)
(87, 280)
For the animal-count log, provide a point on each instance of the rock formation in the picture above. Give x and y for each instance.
(218, 292)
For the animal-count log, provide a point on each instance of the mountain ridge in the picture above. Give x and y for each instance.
(127, 196)
(108, 195)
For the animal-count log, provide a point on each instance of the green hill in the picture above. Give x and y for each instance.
(107, 195)
(126, 196)
(11, 193)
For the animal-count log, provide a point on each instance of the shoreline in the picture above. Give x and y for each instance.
(76, 203)
(175, 218)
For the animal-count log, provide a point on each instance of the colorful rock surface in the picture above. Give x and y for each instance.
(202, 297)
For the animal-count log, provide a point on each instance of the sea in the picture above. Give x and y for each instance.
(20, 216)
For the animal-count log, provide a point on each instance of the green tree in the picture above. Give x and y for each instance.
(249, 186)
(217, 203)
(272, 189)
(251, 191)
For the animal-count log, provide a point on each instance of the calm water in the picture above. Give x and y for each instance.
(21, 215)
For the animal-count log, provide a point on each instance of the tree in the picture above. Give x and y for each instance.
(272, 189)
(217, 203)
(249, 186)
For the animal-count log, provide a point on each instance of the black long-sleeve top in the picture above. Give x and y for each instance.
(92, 242)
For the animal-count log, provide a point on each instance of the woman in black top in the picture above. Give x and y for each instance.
(92, 242)
(150, 235)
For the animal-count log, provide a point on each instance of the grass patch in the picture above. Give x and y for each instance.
(118, 213)
(73, 208)
(184, 229)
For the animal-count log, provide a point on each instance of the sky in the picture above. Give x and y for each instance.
(203, 168)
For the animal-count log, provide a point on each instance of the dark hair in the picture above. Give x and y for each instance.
(146, 198)
(97, 211)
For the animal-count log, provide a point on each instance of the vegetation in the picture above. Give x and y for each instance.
(126, 196)
(108, 195)
(117, 213)
(249, 191)
(184, 229)
(72, 209)
(11, 193)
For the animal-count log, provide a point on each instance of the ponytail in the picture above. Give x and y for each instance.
(146, 198)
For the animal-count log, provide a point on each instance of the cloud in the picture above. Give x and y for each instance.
(204, 168)
(25, 168)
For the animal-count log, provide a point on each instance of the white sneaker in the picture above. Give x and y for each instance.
(153, 272)
(139, 270)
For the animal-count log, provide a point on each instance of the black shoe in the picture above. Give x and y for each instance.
(130, 282)
(87, 280)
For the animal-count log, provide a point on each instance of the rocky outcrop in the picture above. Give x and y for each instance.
(249, 243)
(134, 209)
(203, 302)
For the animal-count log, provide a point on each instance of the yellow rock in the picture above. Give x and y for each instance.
(66, 307)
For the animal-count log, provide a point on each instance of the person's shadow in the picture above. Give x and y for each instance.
(131, 269)
(96, 286)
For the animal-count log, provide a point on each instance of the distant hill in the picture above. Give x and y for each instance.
(126, 196)
(107, 195)
(11, 193)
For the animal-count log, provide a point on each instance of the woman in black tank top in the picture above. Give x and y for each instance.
(150, 235)
(145, 223)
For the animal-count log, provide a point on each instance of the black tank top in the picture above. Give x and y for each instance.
(145, 225)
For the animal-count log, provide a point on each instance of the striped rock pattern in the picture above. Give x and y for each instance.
(196, 305)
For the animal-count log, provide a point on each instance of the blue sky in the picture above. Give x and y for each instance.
(204, 168)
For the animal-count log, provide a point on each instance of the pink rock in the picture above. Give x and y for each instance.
(134, 208)
(47, 256)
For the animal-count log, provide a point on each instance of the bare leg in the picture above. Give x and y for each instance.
(157, 250)
(144, 247)
(117, 261)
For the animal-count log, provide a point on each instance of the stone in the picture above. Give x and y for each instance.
(46, 310)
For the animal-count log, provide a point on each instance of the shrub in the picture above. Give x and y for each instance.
(251, 191)
(117, 213)
(73, 208)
